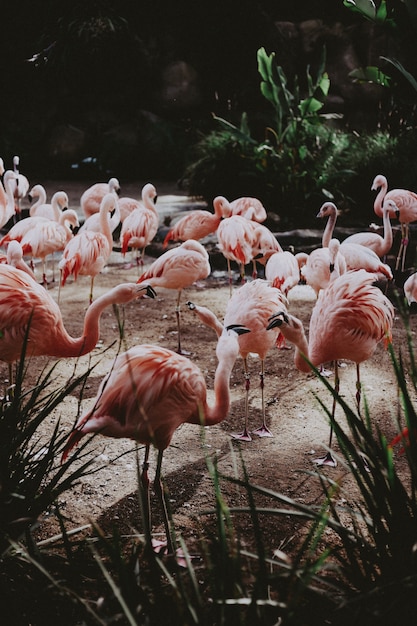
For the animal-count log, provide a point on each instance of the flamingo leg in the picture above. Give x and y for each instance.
(329, 459)
(145, 498)
(403, 247)
(160, 492)
(229, 271)
(178, 316)
(245, 435)
(91, 290)
(263, 431)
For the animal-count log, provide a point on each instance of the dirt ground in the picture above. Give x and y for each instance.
(281, 463)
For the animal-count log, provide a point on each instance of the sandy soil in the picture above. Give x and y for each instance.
(280, 463)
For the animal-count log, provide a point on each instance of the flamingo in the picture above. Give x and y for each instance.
(7, 201)
(48, 237)
(323, 265)
(350, 318)
(149, 392)
(410, 288)
(178, 268)
(30, 317)
(140, 226)
(90, 200)
(357, 256)
(21, 184)
(88, 252)
(251, 305)
(198, 223)
(264, 244)
(93, 222)
(59, 203)
(148, 200)
(14, 257)
(405, 202)
(249, 208)
(282, 271)
(380, 245)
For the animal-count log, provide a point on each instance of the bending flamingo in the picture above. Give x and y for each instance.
(405, 202)
(30, 316)
(350, 318)
(249, 208)
(251, 305)
(149, 392)
(178, 268)
(88, 252)
(198, 223)
(92, 197)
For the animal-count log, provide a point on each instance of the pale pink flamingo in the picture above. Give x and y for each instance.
(20, 184)
(91, 198)
(93, 222)
(7, 201)
(53, 210)
(49, 237)
(198, 223)
(323, 265)
(31, 320)
(282, 271)
(140, 226)
(356, 255)
(405, 202)
(350, 318)
(14, 257)
(178, 268)
(410, 288)
(149, 197)
(87, 253)
(149, 392)
(19, 230)
(251, 305)
(380, 245)
(38, 191)
(249, 208)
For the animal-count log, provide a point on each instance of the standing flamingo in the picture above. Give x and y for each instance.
(323, 265)
(249, 208)
(380, 245)
(30, 317)
(149, 197)
(178, 268)
(251, 305)
(48, 237)
(405, 202)
(92, 197)
(140, 226)
(21, 184)
(88, 252)
(149, 392)
(52, 211)
(350, 318)
(7, 201)
(198, 223)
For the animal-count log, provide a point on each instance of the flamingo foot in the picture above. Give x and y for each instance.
(243, 436)
(328, 460)
(262, 431)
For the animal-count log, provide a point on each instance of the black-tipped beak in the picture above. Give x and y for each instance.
(191, 305)
(331, 267)
(150, 292)
(277, 320)
(238, 328)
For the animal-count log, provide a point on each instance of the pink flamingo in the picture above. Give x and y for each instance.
(90, 200)
(7, 201)
(88, 252)
(235, 236)
(410, 288)
(148, 201)
(30, 318)
(21, 184)
(149, 392)
(14, 257)
(249, 208)
(283, 271)
(323, 265)
(178, 268)
(405, 203)
(198, 223)
(140, 226)
(251, 305)
(59, 203)
(48, 237)
(380, 245)
(350, 318)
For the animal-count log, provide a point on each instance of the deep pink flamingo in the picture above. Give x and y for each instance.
(251, 305)
(350, 318)
(177, 269)
(149, 392)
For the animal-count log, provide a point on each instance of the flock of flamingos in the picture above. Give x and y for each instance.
(151, 390)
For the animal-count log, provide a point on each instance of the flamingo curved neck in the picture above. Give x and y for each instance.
(328, 231)
(379, 200)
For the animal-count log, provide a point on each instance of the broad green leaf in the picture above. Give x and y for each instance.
(365, 7)
(370, 74)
